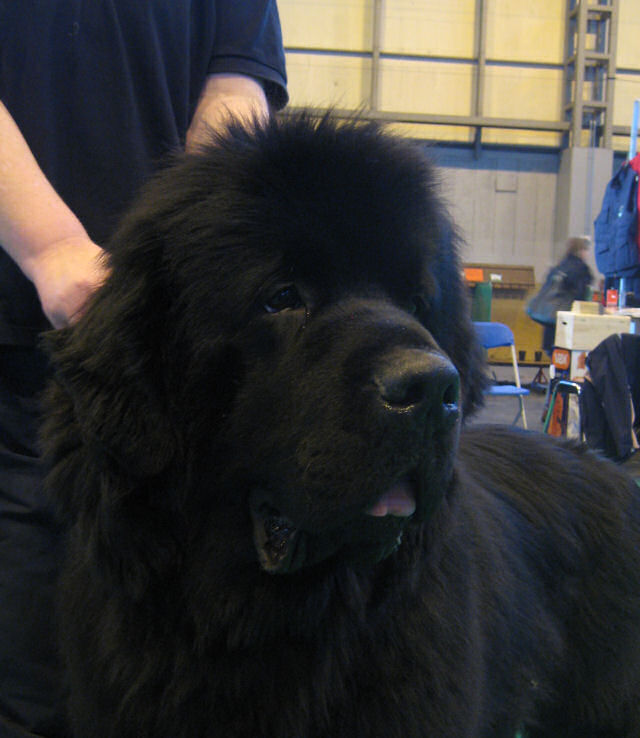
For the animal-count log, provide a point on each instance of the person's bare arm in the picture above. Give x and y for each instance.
(44, 237)
(225, 96)
(40, 232)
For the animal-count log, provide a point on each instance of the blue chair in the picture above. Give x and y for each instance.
(496, 335)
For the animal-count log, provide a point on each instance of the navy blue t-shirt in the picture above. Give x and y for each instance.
(102, 90)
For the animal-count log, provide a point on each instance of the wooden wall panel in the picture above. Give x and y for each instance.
(505, 216)
(535, 219)
(525, 219)
(429, 28)
(543, 248)
(627, 89)
(628, 53)
(421, 41)
(517, 92)
(328, 81)
(526, 31)
(327, 24)
(482, 239)
(455, 190)
(426, 87)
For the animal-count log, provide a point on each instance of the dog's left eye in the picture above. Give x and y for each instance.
(288, 298)
(418, 307)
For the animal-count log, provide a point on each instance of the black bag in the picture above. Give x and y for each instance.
(553, 296)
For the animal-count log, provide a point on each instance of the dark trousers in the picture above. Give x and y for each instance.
(31, 689)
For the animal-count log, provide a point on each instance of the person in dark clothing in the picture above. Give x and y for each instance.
(576, 279)
(93, 96)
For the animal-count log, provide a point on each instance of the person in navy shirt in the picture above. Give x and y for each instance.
(93, 96)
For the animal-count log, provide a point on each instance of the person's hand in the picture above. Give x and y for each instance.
(65, 274)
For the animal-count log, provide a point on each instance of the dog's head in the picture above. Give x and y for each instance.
(284, 340)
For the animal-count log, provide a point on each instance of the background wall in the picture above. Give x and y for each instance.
(455, 63)
(503, 201)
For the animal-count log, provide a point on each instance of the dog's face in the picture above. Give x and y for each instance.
(347, 406)
(286, 330)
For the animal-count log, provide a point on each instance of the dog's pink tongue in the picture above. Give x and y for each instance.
(398, 501)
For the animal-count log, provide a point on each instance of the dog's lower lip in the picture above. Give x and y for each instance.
(275, 538)
(278, 532)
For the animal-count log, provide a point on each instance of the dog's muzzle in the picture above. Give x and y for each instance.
(413, 400)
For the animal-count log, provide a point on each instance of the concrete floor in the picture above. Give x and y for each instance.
(504, 409)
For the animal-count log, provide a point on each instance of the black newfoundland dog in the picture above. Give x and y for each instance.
(277, 527)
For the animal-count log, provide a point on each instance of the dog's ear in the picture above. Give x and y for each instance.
(108, 443)
(104, 406)
(473, 369)
(463, 348)
(457, 336)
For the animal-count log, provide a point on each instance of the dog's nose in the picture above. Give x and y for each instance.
(408, 379)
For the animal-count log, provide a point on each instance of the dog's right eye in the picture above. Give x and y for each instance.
(287, 298)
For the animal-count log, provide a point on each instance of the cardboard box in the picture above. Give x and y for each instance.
(586, 307)
(568, 364)
(576, 331)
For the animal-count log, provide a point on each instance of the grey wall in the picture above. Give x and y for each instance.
(519, 207)
(582, 178)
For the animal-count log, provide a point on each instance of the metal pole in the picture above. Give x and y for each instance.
(581, 28)
(612, 51)
(481, 63)
(633, 141)
(375, 54)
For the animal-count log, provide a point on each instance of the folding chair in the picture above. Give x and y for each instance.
(561, 423)
(495, 335)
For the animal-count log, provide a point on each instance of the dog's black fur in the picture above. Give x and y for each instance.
(282, 349)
